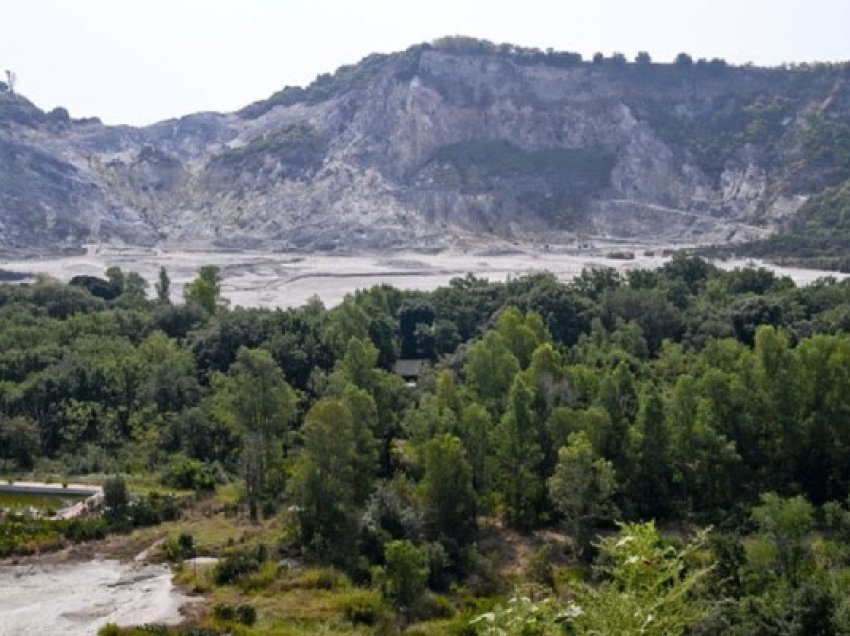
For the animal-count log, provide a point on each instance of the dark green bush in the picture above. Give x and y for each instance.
(244, 613)
(224, 612)
(85, 529)
(364, 607)
(190, 474)
(180, 547)
(234, 566)
(115, 496)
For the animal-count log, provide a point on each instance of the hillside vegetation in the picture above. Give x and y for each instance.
(818, 237)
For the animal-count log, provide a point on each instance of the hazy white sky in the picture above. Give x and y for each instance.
(141, 61)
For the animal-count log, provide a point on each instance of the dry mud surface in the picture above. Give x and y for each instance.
(268, 279)
(77, 598)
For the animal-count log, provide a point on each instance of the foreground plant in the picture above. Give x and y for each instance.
(650, 588)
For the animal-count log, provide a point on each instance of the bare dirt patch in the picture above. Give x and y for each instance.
(76, 598)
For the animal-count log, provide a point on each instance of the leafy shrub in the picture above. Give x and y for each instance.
(244, 613)
(540, 566)
(179, 547)
(483, 578)
(190, 474)
(19, 535)
(263, 578)
(115, 496)
(365, 607)
(82, 529)
(235, 566)
(405, 573)
(633, 599)
(142, 513)
(224, 612)
(429, 606)
(165, 507)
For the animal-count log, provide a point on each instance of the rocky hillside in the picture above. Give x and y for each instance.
(438, 143)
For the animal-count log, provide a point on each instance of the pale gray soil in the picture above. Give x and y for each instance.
(269, 279)
(75, 599)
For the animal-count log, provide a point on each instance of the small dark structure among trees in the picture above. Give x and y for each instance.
(409, 369)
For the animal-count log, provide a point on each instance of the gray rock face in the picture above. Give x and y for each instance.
(431, 145)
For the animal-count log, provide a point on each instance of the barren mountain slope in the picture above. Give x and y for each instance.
(456, 138)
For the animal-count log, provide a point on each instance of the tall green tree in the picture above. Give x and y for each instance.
(475, 430)
(135, 288)
(163, 287)
(708, 465)
(618, 396)
(358, 367)
(517, 457)
(256, 400)
(205, 290)
(115, 276)
(404, 575)
(521, 337)
(169, 374)
(414, 320)
(365, 426)
(345, 322)
(490, 369)
(446, 490)
(548, 379)
(651, 461)
(582, 487)
(324, 481)
(19, 441)
(778, 376)
(594, 422)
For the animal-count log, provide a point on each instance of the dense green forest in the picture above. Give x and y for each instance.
(681, 436)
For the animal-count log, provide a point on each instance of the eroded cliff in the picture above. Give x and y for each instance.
(436, 143)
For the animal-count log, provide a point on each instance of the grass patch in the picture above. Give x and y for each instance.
(296, 603)
(213, 532)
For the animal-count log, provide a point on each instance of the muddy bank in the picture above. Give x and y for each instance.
(77, 598)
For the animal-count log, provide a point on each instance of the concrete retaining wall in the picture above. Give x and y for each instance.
(33, 488)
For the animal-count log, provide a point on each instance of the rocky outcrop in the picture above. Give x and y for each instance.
(434, 144)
